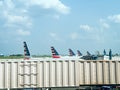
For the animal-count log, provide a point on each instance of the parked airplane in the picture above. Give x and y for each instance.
(28, 56)
(79, 54)
(55, 54)
(89, 57)
(109, 56)
(71, 55)
(26, 51)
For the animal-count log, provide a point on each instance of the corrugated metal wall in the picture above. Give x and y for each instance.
(57, 73)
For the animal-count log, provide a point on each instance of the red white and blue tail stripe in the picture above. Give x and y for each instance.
(54, 53)
(71, 53)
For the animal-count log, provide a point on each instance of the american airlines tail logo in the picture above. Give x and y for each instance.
(54, 53)
(26, 51)
(79, 53)
(71, 53)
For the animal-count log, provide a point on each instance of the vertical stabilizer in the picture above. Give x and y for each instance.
(88, 54)
(71, 53)
(110, 54)
(26, 51)
(104, 52)
(54, 53)
(79, 53)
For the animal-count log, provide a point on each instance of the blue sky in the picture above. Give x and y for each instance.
(92, 25)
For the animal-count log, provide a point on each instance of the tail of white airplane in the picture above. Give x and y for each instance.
(71, 53)
(54, 53)
(79, 53)
(26, 51)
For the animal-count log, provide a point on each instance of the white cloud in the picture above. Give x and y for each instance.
(104, 24)
(6, 5)
(74, 36)
(86, 27)
(23, 32)
(49, 4)
(15, 13)
(13, 19)
(115, 18)
(53, 35)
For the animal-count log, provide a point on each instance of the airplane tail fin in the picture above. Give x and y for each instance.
(54, 53)
(26, 51)
(88, 54)
(104, 52)
(71, 53)
(79, 53)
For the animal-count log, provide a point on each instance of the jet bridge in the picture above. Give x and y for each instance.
(50, 73)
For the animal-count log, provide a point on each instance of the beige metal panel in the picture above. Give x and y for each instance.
(81, 72)
(18, 75)
(65, 73)
(52, 73)
(58, 73)
(38, 74)
(8, 72)
(21, 74)
(2, 75)
(46, 72)
(94, 73)
(87, 72)
(93, 76)
(71, 73)
(33, 74)
(100, 76)
(112, 72)
(77, 72)
(106, 72)
(26, 74)
(117, 71)
(14, 74)
(41, 74)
